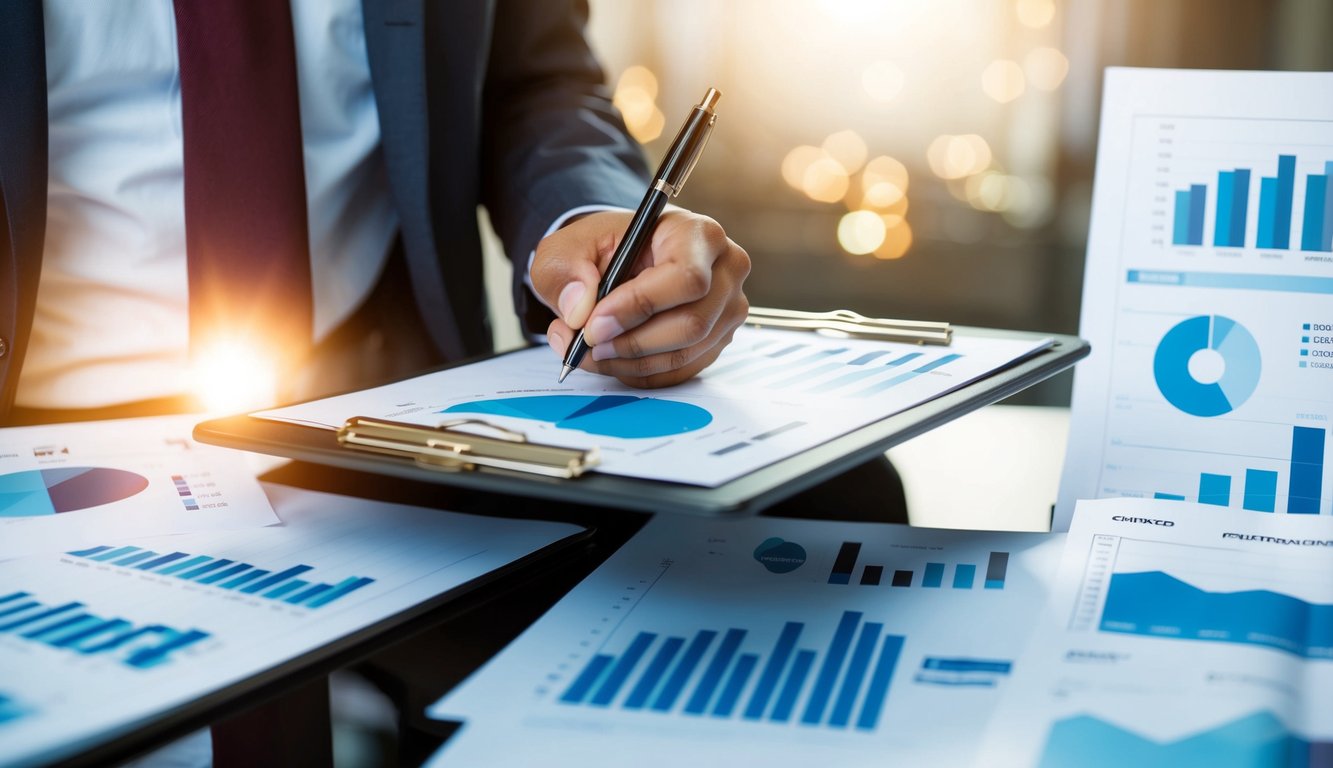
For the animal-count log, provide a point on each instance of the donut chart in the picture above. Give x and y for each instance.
(1240, 357)
(623, 416)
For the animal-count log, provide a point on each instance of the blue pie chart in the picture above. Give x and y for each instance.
(36, 492)
(1239, 374)
(624, 416)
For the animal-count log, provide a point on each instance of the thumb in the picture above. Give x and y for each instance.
(564, 270)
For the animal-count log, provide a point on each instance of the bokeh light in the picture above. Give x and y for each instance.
(954, 157)
(883, 182)
(795, 164)
(861, 232)
(897, 239)
(848, 148)
(635, 95)
(883, 81)
(1035, 14)
(825, 180)
(1045, 68)
(1003, 80)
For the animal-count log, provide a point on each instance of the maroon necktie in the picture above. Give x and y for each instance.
(246, 236)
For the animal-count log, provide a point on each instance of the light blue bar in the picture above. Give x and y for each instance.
(907, 358)
(621, 671)
(1215, 489)
(344, 587)
(1240, 204)
(161, 561)
(315, 591)
(1267, 211)
(964, 575)
(867, 357)
(883, 385)
(1226, 203)
(220, 575)
(578, 691)
(708, 684)
(856, 674)
(291, 586)
(800, 668)
(1260, 490)
(937, 363)
(879, 682)
(731, 692)
(1198, 204)
(828, 671)
(638, 696)
(1168, 496)
(1275, 283)
(251, 576)
(178, 567)
(88, 552)
(113, 554)
(934, 575)
(843, 381)
(135, 558)
(1180, 232)
(201, 570)
(258, 586)
(676, 682)
(768, 680)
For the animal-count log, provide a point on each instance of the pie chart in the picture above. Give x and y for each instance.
(1207, 365)
(65, 489)
(624, 416)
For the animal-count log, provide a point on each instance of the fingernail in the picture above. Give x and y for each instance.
(604, 352)
(569, 298)
(604, 328)
(556, 341)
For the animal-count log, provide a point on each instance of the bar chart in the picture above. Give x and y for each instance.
(1278, 209)
(1259, 490)
(820, 369)
(227, 574)
(931, 576)
(843, 685)
(67, 627)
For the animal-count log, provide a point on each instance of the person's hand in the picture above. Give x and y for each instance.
(669, 320)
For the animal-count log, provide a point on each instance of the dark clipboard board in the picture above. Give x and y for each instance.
(743, 496)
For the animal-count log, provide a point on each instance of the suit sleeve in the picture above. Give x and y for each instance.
(552, 140)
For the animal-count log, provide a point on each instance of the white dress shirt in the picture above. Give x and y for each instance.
(112, 321)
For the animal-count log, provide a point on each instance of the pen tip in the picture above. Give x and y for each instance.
(564, 371)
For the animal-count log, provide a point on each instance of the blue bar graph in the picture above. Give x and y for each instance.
(1188, 224)
(1180, 229)
(963, 576)
(1215, 489)
(70, 627)
(995, 570)
(224, 573)
(1304, 488)
(934, 577)
(854, 670)
(1168, 496)
(939, 362)
(1260, 490)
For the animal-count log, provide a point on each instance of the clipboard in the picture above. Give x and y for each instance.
(746, 495)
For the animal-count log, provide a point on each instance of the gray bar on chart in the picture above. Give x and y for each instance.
(779, 430)
(728, 449)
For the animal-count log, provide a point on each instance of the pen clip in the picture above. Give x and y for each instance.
(694, 157)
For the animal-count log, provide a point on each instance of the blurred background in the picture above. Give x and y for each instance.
(925, 159)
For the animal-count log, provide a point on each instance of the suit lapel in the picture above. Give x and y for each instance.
(395, 46)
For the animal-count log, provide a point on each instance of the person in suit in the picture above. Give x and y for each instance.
(412, 114)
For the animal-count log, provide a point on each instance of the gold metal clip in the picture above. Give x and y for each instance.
(447, 447)
(843, 322)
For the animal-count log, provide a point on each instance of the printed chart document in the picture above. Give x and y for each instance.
(1208, 295)
(770, 395)
(64, 485)
(98, 639)
(1178, 635)
(763, 641)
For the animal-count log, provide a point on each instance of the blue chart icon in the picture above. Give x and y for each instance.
(609, 415)
(1197, 339)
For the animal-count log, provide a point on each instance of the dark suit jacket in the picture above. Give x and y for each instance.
(481, 102)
